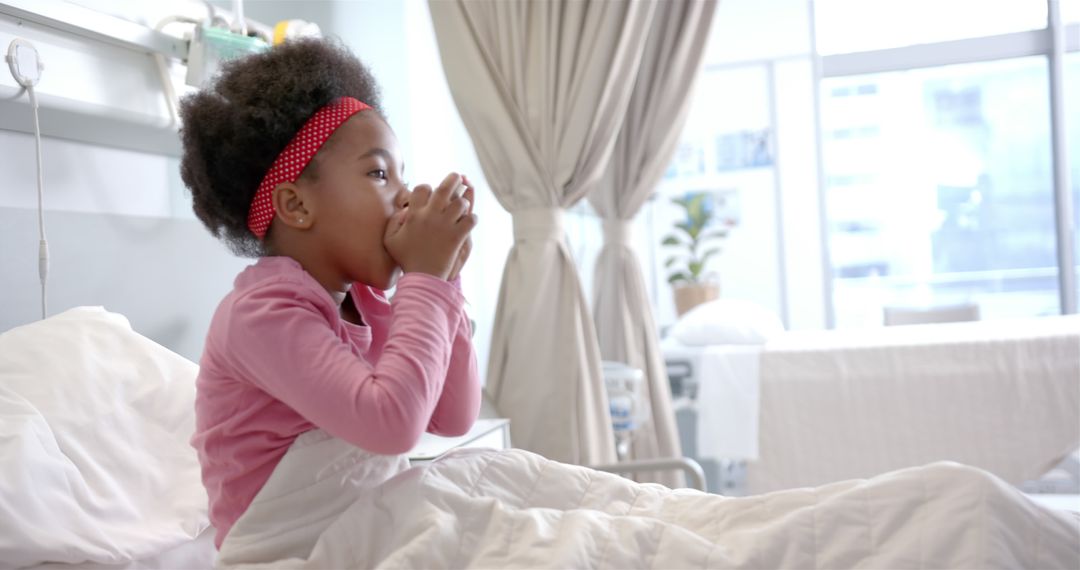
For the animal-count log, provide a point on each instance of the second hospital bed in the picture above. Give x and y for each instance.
(810, 407)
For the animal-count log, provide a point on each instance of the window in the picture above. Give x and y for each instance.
(726, 150)
(939, 190)
(846, 26)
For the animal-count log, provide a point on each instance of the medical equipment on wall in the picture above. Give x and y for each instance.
(214, 40)
(26, 67)
(628, 405)
(289, 29)
(212, 46)
(211, 42)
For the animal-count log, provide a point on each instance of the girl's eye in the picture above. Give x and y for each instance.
(380, 174)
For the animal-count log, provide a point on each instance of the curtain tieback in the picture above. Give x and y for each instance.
(539, 224)
(617, 231)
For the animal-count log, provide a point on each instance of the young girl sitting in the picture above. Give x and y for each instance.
(313, 385)
(288, 157)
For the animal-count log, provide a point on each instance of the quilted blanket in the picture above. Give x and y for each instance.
(514, 509)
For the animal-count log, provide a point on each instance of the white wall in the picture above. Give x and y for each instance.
(757, 75)
(119, 223)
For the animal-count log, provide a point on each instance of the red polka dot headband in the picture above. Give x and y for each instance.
(296, 156)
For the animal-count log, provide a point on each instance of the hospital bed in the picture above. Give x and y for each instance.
(811, 407)
(98, 473)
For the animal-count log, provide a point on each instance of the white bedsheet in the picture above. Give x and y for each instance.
(513, 509)
(95, 464)
(1000, 395)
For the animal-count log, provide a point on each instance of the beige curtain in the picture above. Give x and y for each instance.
(654, 121)
(542, 87)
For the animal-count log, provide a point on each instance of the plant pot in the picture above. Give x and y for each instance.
(689, 296)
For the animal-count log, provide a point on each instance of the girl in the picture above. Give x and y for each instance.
(288, 157)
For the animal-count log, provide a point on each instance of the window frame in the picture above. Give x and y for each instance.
(1053, 42)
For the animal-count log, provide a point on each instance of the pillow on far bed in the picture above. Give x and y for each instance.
(726, 321)
(95, 463)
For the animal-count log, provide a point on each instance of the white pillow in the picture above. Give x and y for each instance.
(726, 321)
(95, 464)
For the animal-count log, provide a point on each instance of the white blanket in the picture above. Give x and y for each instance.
(513, 509)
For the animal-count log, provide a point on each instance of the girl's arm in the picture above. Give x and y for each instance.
(459, 403)
(282, 340)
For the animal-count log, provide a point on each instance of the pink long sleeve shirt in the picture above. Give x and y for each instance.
(279, 361)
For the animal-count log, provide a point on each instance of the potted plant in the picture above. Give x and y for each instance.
(696, 240)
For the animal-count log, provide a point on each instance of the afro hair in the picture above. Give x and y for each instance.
(234, 129)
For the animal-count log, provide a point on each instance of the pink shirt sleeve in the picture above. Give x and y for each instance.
(459, 403)
(285, 342)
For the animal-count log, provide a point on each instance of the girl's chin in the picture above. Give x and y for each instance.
(386, 281)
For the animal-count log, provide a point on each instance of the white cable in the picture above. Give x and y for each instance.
(171, 98)
(23, 61)
(170, 92)
(43, 244)
(215, 19)
(240, 23)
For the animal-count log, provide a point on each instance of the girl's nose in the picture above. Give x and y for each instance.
(402, 198)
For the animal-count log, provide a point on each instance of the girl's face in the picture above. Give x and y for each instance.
(358, 187)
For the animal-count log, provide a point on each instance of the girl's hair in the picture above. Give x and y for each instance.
(235, 128)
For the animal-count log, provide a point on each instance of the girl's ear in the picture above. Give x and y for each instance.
(290, 207)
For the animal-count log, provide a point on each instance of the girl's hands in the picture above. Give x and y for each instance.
(431, 234)
(466, 248)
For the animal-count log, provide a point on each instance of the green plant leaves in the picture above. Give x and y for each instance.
(678, 276)
(690, 230)
(695, 209)
(709, 253)
(695, 268)
(692, 235)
